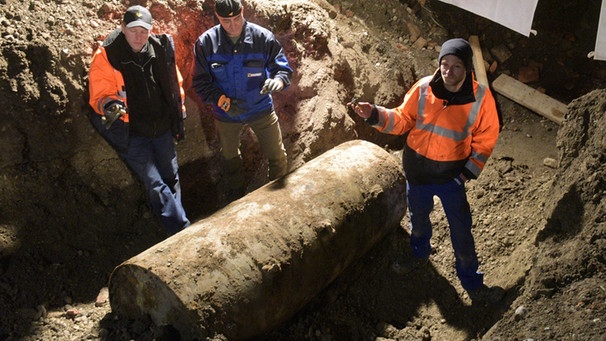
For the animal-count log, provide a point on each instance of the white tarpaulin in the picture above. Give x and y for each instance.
(600, 43)
(517, 15)
(513, 14)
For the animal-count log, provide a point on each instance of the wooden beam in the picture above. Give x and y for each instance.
(478, 60)
(530, 98)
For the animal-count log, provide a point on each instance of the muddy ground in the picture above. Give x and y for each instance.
(70, 211)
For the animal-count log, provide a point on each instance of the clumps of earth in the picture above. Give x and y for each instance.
(70, 211)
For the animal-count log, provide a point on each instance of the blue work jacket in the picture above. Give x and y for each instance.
(238, 70)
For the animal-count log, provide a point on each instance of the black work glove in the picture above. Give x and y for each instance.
(111, 112)
(236, 108)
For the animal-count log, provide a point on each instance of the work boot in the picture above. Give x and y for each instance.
(486, 295)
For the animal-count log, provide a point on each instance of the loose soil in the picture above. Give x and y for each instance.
(70, 211)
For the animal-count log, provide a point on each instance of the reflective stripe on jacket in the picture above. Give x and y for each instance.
(443, 140)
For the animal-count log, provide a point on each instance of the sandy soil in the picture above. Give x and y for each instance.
(539, 208)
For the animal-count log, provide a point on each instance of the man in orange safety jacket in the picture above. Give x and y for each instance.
(452, 126)
(136, 94)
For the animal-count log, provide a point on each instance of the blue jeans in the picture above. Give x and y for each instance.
(454, 200)
(154, 160)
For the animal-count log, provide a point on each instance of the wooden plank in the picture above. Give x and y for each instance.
(530, 98)
(478, 60)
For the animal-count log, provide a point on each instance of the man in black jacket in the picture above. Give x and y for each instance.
(135, 90)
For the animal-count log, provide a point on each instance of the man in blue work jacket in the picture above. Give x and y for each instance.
(237, 66)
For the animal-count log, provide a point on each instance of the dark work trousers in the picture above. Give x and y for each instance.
(269, 135)
(154, 160)
(454, 200)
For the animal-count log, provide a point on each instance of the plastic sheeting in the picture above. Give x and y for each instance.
(513, 14)
(600, 43)
(517, 15)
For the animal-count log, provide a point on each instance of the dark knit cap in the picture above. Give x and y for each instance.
(228, 8)
(460, 48)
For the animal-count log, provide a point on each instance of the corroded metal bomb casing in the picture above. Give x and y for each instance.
(255, 263)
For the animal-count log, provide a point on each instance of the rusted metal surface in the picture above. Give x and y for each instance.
(255, 263)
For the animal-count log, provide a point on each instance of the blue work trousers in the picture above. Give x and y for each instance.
(454, 200)
(154, 160)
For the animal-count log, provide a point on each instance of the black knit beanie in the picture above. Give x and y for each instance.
(460, 48)
(228, 8)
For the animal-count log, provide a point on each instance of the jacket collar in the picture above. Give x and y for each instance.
(463, 96)
(116, 42)
(245, 36)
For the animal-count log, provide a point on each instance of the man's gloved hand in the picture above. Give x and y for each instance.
(237, 108)
(271, 85)
(111, 112)
(461, 179)
(224, 103)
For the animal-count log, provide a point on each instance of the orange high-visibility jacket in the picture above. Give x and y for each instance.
(444, 140)
(106, 83)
